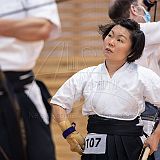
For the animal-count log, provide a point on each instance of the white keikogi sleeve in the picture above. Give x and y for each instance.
(71, 90)
(151, 83)
(152, 32)
(45, 9)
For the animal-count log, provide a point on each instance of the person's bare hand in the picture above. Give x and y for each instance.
(152, 141)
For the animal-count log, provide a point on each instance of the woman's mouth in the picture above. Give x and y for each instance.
(109, 51)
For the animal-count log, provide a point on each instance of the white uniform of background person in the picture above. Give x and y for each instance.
(151, 53)
(18, 55)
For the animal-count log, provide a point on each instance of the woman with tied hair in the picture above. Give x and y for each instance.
(114, 93)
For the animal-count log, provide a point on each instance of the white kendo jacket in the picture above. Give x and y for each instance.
(121, 96)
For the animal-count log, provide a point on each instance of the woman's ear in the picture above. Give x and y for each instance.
(133, 10)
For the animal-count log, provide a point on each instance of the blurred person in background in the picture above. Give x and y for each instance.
(24, 25)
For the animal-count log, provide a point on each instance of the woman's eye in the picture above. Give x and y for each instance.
(119, 40)
(109, 35)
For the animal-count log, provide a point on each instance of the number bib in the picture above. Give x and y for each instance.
(95, 143)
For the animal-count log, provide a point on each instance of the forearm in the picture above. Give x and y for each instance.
(74, 138)
(153, 140)
(157, 131)
(59, 113)
(30, 29)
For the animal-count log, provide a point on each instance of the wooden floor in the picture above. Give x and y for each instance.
(54, 72)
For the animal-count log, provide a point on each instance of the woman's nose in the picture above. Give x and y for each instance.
(111, 42)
